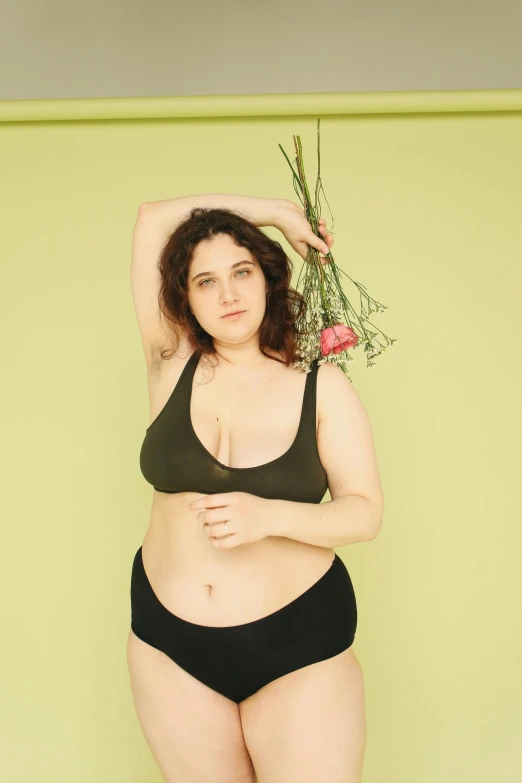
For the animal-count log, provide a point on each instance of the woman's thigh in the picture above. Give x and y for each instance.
(194, 733)
(309, 725)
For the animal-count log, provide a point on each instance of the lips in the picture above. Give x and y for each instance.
(234, 313)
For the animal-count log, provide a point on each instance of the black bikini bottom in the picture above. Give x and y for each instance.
(238, 660)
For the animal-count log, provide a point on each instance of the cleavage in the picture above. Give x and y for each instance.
(245, 426)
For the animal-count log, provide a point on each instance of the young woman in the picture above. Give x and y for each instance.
(243, 616)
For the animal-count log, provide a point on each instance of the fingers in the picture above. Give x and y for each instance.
(328, 238)
(322, 243)
(322, 247)
(325, 233)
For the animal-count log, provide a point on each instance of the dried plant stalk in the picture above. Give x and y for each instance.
(330, 325)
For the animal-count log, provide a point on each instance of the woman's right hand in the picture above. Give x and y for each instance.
(298, 232)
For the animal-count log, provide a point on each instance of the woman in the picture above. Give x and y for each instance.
(243, 617)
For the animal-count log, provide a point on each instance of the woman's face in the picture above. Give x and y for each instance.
(224, 278)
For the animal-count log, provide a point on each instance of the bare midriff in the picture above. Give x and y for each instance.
(192, 578)
(210, 586)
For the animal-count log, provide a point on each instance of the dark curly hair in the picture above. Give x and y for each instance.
(284, 305)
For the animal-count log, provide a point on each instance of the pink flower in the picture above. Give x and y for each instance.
(337, 338)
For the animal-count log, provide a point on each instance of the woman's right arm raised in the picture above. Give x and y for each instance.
(156, 221)
(147, 243)
(261, 211)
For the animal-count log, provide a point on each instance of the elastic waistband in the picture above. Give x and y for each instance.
(324, 595)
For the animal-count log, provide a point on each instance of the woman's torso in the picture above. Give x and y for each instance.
(241, 419)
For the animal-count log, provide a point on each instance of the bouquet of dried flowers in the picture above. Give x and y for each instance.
(330, 326)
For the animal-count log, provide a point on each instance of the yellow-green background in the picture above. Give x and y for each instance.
(426, 192)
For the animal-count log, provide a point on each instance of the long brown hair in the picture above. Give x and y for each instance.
(284, 304)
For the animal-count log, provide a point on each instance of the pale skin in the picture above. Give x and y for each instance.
(309, 725)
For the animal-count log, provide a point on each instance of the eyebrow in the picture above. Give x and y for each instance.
(207, 274)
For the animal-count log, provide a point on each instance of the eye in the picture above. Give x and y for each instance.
(210, 278)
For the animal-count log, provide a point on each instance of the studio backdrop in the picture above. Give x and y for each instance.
(425, 192)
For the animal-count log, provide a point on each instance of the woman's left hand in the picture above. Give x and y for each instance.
(247, 517)
(298, 232)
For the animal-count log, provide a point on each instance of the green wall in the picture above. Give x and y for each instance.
(426, 192)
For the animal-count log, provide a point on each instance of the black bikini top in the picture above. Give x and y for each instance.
(173, 459)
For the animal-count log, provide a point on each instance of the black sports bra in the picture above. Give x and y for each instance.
(173, 459)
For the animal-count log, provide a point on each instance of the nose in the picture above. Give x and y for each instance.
(228, 295)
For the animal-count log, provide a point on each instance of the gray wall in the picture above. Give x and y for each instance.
(104, 48)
